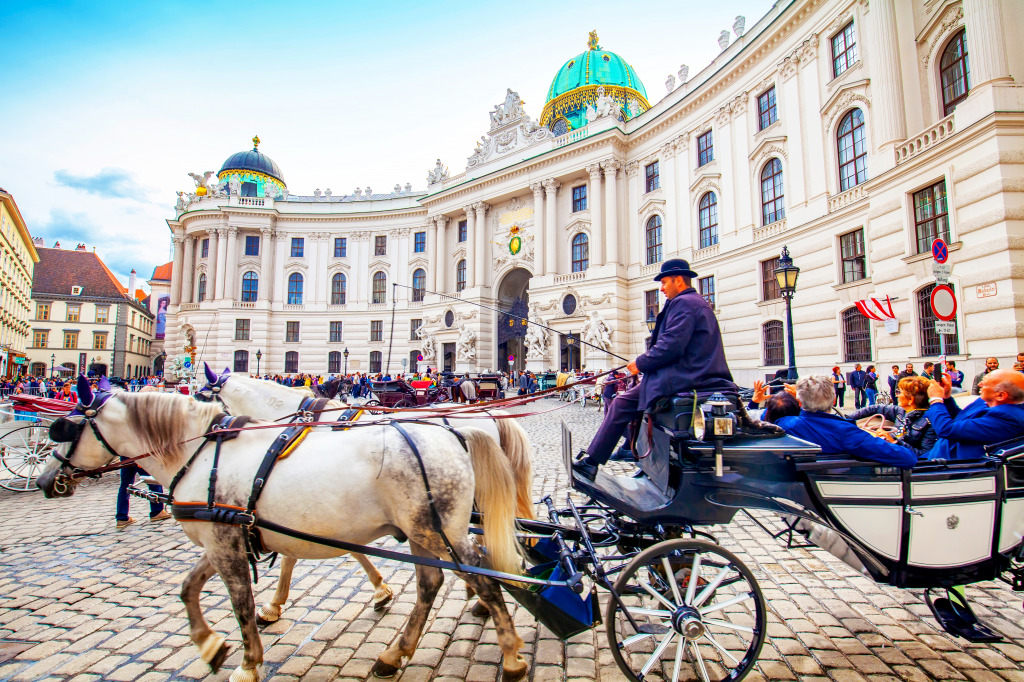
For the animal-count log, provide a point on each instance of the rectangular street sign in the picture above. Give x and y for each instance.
(942, 272)
(945, 327)
(986, 290)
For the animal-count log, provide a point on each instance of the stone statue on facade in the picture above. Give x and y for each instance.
(595, 332)
(202, 181)
(536, 341)
(723, 39)
(684, 73)
(427, 346)
(606, 105)
(438, 174)
(465, 347)
(180, 206)
(270, 190)
(670, 83)
(508, 112)
(234, 187)
(739, 25)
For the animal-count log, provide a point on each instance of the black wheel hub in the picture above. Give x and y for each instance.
(687, 622)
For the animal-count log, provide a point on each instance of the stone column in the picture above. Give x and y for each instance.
(266, 268)
(213, 269)
(597, 231)
(538, 226)
(483, 251)
(280, 242)
(188, 270)
(611, 218)
(432, 255)
(176, 270)
(441, 265)
(676, 221)
(986, 44)
(231, 262)
(634, 244)
(470, 246)
(886, 81)
(551, 228)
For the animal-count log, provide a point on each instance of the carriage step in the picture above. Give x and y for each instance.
(956, 617)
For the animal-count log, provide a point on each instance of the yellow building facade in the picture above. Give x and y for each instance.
(17, 263)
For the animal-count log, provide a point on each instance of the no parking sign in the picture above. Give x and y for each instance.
(943, 302)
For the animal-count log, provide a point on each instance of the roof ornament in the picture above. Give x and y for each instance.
(438, 174)
(255, 142)
(592, 41)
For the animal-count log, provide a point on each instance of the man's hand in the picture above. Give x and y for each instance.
(633, 369)
(759, 392)
(790, 389)
(937, 390)
(882, 433)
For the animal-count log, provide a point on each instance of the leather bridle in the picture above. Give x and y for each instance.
(63, 430)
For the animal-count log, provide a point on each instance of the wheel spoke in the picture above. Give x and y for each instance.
(700, 662)
(657, 595)
(629, 641)
(726, 604)
(721, 648)
(656, 656)
(711, 587)
(654, 613)
(671, 579)
(680, 648)
(691, 587)
(730, 626)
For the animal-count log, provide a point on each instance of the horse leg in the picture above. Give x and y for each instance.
(479, 609)
(382, 592)
(428, 582)
(232, 565)
(270, 613)
(212, 646)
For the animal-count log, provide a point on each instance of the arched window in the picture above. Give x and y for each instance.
(580, 252)
(375, 361)
(334, 362)
(654, 240)
(933, 344)
(419, 284)
(250, 287)
(773, 207)
(772, 341)
(295, 289)
(460, 275)
(852, 150)
(380, 287)
(291, 362)
(338, 286)
(955, 72)
(856, 336)
(708, 219)
(241, 361)
(201, 289)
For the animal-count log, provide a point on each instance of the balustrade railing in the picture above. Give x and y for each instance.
(926, 140)
(844, 199)
(766, 231)
(571, 277)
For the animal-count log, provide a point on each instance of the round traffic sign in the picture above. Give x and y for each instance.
(940, 252)
(943, 302)
(511, 358)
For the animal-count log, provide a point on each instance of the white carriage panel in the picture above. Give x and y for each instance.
(875, 490)
(948, 535)
(1013, 524)
(928, 490)
(879, 528)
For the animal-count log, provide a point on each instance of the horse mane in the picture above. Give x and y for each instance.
(161, 420)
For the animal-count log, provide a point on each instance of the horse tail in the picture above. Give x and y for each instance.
(494, 480)
(516, 445)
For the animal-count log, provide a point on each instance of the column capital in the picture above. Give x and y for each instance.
(594, 170)
(537, 188)
(189, 239)
(481, 207)
(611, 167)
(551, 185)
(177, 241)
(231, 231)
(468, 208)
(632, 168)
(442, 221)
(266, 232)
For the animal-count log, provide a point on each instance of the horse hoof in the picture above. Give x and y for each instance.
(382, 669)
(480, 610)
(268, 614)
(382, 597)
(242, 675)
(515, 674)
(382, 604)
(214, 650)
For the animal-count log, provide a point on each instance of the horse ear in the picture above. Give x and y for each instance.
(84, 392)
(103, 384)
(227, 371)
(211, 376)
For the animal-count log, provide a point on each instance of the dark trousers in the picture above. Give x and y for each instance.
(127, 478)
(624, 409)
(840, 393)
(860, 397)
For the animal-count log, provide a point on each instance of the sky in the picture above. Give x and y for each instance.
(109, 106)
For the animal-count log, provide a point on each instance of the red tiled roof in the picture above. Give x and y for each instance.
(58, 270)
(163, 272)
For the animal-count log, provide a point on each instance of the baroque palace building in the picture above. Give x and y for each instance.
(853, 132)
(18, 257)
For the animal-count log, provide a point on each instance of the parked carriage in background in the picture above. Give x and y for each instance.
(398, 393)
(24, 438)
(488, 387)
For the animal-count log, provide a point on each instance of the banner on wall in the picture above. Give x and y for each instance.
(161, 316)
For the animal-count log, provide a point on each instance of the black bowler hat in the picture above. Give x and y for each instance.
(675, 267)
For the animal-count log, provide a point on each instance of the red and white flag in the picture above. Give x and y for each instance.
(876, 309)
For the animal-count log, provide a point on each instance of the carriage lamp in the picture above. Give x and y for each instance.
(53, 359)
(786, 274)
(259, 354)
(346, 361)
(651, 321)
(723, 426)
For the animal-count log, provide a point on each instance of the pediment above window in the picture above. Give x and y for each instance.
(850, 95)
(652, 203)
(379, 264)
(419, 262)
(578, 225)
(711, 176)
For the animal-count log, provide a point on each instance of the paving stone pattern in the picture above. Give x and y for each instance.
(103, 605)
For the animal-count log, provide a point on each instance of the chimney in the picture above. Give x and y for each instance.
(131, 284)
(38, 241)
(56, 245)
(80, 247)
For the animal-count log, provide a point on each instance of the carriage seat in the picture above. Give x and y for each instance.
(675, 413)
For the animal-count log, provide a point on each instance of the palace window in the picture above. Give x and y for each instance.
(651, 306)
(463, 230)
(291, 332)
(338, 284)
(241, 361)
(419, 242)
(252, 247)
(340, 247)
(380, 288)
(99, 340)
(652, 177)
(773, 206)
(956, 73)
(42, 311)
(844, 50)
(579, 198)
(933, 344)
(705, 149)
(654, 240)
(295, 289)
(376, 330)
(931, 220)
(767, 113)
(706, 288)
(204, 248)
(414, 325)
(769, 285)
(852, 148)
(851, 246)
(419, 284)
(460, 275)
(707, 214)
(291, 362)
(334, 362)
(298, 247)
(335, 333)
(71, 339)
(856, 336)
(74, 312)
(241, 330)
(40, 339)
(380, 245)
(376, 360)
(250, 287)
(772, 343)
(580, 252)
(102, 314)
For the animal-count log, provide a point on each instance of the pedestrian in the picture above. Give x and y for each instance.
(156, 509)
(955, 375)
(908, 372)
(991, 365)
(840, 385)
(871, 384)
(929, 371)
(857, 377)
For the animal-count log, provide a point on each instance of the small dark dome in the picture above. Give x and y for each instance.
(252, 160)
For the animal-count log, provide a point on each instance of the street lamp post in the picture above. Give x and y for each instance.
(346, 361)
(786, 274)
(569, 341)
(259, 354)
(53, 359)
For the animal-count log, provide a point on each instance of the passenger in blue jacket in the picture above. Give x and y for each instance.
(833, 433)
(996, 416)
(685, 355)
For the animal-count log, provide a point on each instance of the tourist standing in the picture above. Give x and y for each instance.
(840, 385)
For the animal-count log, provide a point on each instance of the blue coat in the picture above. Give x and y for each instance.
(836, 436)
(686, 351)
(964, 433)
(857, 378)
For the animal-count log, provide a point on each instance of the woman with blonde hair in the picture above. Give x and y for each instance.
(913, 430)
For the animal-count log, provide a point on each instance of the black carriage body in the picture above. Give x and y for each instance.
(933, 526)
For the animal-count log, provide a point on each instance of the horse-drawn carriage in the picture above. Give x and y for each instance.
(24, 443)
(397, 393)
(488, 387)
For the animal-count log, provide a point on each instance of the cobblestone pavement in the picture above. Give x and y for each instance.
(97, 604)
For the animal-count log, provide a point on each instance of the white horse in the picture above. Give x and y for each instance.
(353, 486)
(271, 401)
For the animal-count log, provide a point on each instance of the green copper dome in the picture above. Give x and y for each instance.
(575, 85)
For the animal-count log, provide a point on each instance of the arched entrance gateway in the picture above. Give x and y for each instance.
(513, 301)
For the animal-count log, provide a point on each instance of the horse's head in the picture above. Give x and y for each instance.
(214, 385)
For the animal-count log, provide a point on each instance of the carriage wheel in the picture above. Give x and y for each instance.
(371, 403)
(24, 452)
(710, 628)
(406, 403)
